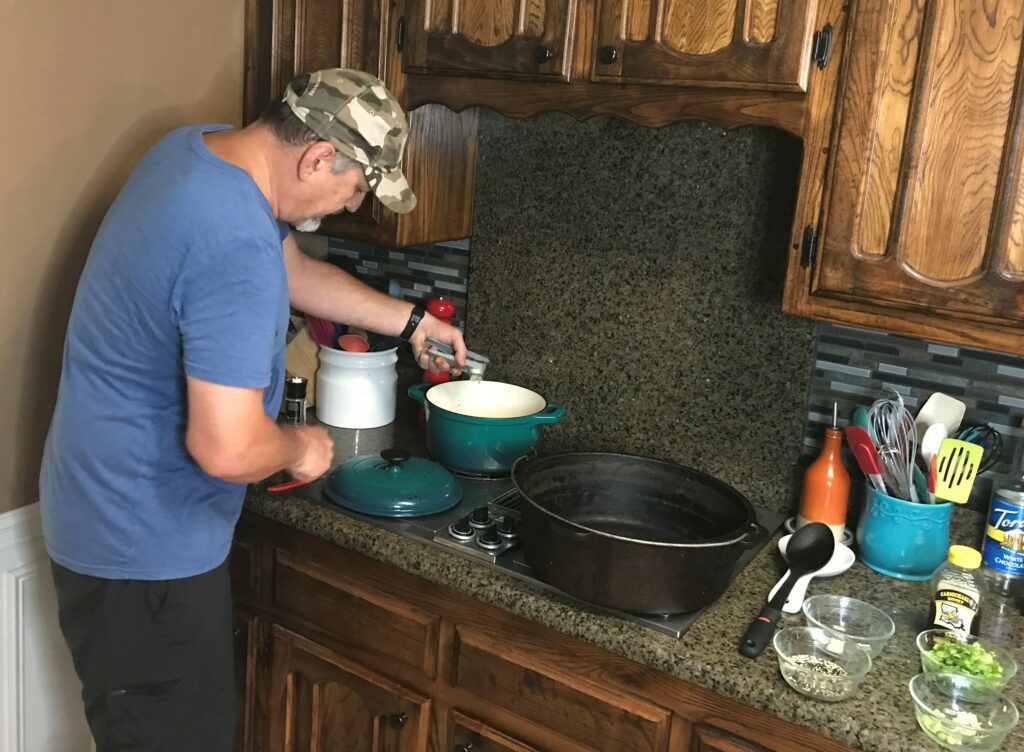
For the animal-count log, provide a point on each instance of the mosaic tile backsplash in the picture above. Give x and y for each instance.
(437, 270)
(852, 365)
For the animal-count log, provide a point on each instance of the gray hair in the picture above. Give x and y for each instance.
(290, 130)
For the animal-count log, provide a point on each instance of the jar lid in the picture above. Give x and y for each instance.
(965, 557)
(393, 484)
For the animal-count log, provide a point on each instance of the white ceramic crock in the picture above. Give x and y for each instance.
(356, 390)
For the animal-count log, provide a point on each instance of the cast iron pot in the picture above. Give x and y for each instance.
(483, 427)
(632, 533)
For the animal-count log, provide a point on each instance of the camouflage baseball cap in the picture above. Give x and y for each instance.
(361, 119)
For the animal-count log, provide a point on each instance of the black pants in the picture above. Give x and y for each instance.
(155, 658)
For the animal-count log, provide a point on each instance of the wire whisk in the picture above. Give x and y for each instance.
(892, 428)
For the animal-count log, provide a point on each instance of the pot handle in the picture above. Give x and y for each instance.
(552, 413)
(755, 535)
(419, 391)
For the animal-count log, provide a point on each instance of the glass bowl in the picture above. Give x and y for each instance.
(818, 664)
(932, 638)
(850, 619)
(958, 712)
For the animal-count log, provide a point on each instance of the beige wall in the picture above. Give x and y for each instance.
(87, 87)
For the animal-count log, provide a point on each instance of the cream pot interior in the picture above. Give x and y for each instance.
(486, 399)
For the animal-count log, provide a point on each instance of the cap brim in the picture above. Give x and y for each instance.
(391, 189)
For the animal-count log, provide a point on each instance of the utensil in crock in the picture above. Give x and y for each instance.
(866, 455)
(956, 468)
(809, 549)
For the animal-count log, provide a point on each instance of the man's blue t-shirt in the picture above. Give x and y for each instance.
(185, 276)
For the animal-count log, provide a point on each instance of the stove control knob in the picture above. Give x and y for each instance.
(461, 530)
(508, 528)
(489, 538)
(480, 517)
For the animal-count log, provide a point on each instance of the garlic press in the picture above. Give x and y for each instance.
(475, 363)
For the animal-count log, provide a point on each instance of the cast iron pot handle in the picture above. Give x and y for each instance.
(419, 392)
(552, 413)
(755, 535)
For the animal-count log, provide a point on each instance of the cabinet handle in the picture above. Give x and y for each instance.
(467, 747)
(542, 53)
(398, 721)
(607, 55)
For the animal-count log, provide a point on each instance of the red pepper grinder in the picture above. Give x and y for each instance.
(443, 309)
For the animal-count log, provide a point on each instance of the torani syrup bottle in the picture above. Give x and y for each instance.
(1003, 548)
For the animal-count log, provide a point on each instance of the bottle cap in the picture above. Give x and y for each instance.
(965, 557)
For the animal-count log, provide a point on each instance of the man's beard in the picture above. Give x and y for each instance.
(309, 225)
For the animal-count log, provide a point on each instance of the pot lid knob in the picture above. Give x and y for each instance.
(395, 457)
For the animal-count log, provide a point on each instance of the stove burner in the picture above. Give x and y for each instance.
(461, 530)
(480, 518)
(508, 529)
(489, 539)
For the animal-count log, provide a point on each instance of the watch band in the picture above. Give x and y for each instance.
(415, 317)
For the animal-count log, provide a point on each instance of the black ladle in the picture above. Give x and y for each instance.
(808, 550)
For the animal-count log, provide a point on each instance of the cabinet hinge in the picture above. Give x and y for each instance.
(400, 34)
(821, 47)
(809, 248)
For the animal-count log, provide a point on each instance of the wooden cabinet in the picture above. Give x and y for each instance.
(727, 43)
(711, 739)
(286, 38)
(470, 735)
(351, 654)
(321, 702)
(245, 648)
(921, 229)
(654, 62)
(743, 43)
(524, 40)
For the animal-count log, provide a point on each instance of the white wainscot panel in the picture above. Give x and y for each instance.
(40, 700)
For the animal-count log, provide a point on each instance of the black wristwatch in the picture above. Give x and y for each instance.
(415, 317)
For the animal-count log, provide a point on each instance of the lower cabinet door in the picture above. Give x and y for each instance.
(711, 739)
(245, 678)
(324, 702)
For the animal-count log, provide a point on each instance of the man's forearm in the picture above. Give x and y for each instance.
(322, 289)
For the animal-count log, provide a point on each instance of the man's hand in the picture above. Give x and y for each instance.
(316, 452)
(434, 328)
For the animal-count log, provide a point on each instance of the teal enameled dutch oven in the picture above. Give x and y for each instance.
(483, 427)
(392, 484)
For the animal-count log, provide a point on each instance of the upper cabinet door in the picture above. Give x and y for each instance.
(925, 209)
(762, 44)
(521, 39)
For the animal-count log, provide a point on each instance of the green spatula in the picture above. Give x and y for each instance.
(956, 467)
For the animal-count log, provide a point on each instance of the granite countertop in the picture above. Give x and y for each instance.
(879, 717)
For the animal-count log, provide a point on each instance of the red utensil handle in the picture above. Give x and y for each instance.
(288, 486)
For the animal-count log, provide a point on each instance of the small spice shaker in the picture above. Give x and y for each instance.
(295, 400)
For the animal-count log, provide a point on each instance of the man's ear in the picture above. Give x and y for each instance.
(318, 156)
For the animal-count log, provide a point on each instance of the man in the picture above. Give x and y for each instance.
(171, 382)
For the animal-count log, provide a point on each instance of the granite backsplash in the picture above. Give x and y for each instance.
(635, 275)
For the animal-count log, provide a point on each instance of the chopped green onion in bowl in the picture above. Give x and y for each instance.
(942, 650)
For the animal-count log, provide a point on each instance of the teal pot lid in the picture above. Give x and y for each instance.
(392, 484)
